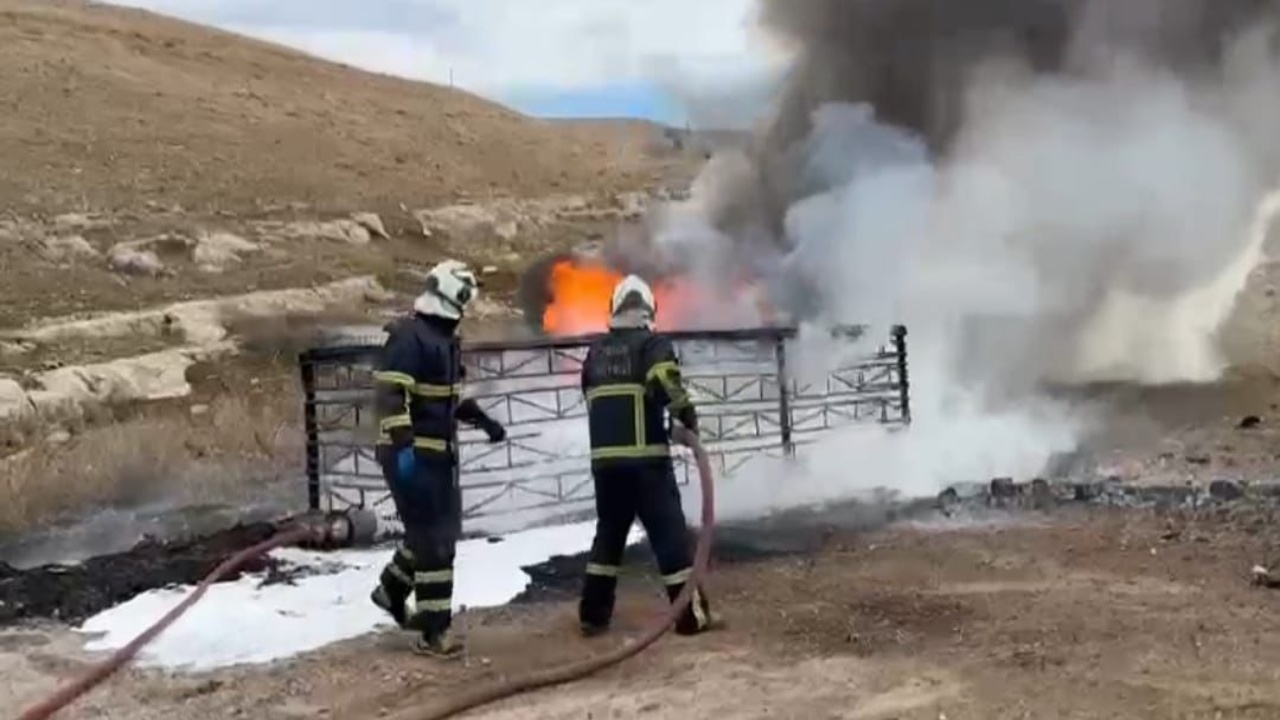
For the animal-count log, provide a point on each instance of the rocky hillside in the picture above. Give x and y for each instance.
(183, 209)
(149, 160)
(110, 108)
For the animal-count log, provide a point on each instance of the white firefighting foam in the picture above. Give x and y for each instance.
(245, 622)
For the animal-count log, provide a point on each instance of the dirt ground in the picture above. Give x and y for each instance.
(1097, 614)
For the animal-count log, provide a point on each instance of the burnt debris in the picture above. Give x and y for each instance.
(73, 593)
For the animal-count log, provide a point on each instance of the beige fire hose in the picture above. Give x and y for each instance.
(508, 687)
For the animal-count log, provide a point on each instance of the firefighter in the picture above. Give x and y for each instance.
(418, 390)
(630, 378)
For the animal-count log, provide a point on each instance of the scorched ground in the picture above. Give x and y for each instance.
(1082, 614)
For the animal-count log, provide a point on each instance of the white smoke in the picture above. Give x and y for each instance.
(1083, 229)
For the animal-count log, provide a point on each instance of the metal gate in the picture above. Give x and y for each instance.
(749, 404)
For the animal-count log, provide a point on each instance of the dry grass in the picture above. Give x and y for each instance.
(239, 430)
(228, 450)
(112, 107)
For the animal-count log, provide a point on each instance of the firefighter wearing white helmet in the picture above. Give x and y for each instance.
(451, 287)
(419, 401)
(631, 379)
(632, 304)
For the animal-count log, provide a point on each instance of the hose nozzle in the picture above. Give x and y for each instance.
(354, 527)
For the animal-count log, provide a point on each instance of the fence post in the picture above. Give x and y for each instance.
(904, 383)
(307, 369)
(784, 397)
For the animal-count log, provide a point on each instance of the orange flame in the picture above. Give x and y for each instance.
(580, 295)
(581, 291)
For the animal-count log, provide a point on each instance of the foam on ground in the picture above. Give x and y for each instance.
(245, 622)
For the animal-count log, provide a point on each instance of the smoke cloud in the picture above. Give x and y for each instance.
(1045, 191)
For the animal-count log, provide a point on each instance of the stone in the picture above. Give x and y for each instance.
(346, 231)
(1003, 488)
(371, 222)
(74, 221)
(13, 348)
(1041, 494)
(507, 230)
(14, 402)
(1225, 491)
(67, 247)
(131, 259)
(632, 205)
(216, 251)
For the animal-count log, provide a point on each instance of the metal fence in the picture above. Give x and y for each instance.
(749, 400)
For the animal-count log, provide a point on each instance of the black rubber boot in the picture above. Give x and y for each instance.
(396, 610)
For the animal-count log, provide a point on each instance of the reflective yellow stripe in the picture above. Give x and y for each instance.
(677, 397)
(433, 576)
(699, 614)
(603, 570)
(399, 574)
(395, 421)
(422, 443)
(405, 383)
(394, 378)
(618, 390)
(659, 369)
(436, 391)
(676, 578)
(426, 443)
(433, 605)
(627, 451)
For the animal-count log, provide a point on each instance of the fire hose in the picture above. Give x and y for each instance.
(98, 673)
(322, 534)
(535, 680)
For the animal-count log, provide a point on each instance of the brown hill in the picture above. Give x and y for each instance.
(106, 107)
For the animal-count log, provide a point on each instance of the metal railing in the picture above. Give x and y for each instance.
(749, 400)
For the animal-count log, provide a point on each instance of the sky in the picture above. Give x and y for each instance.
(673, 61)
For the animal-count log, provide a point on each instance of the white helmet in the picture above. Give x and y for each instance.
(633, 300)
(451, 286)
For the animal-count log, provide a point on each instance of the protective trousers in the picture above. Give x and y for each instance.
(648, 490)
(430, 505)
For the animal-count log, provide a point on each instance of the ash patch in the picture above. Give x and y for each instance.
(806, 531)
(73, 593)
(788, 534)
(560, 578)
(283, 572)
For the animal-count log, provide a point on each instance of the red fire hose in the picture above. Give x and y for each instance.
(104, 669)
(485, 694)
(68, 694)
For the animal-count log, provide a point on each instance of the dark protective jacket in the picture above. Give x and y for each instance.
(630, 377)
(418, 386)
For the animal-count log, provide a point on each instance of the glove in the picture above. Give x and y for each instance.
(496, 432)
(406, 463)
